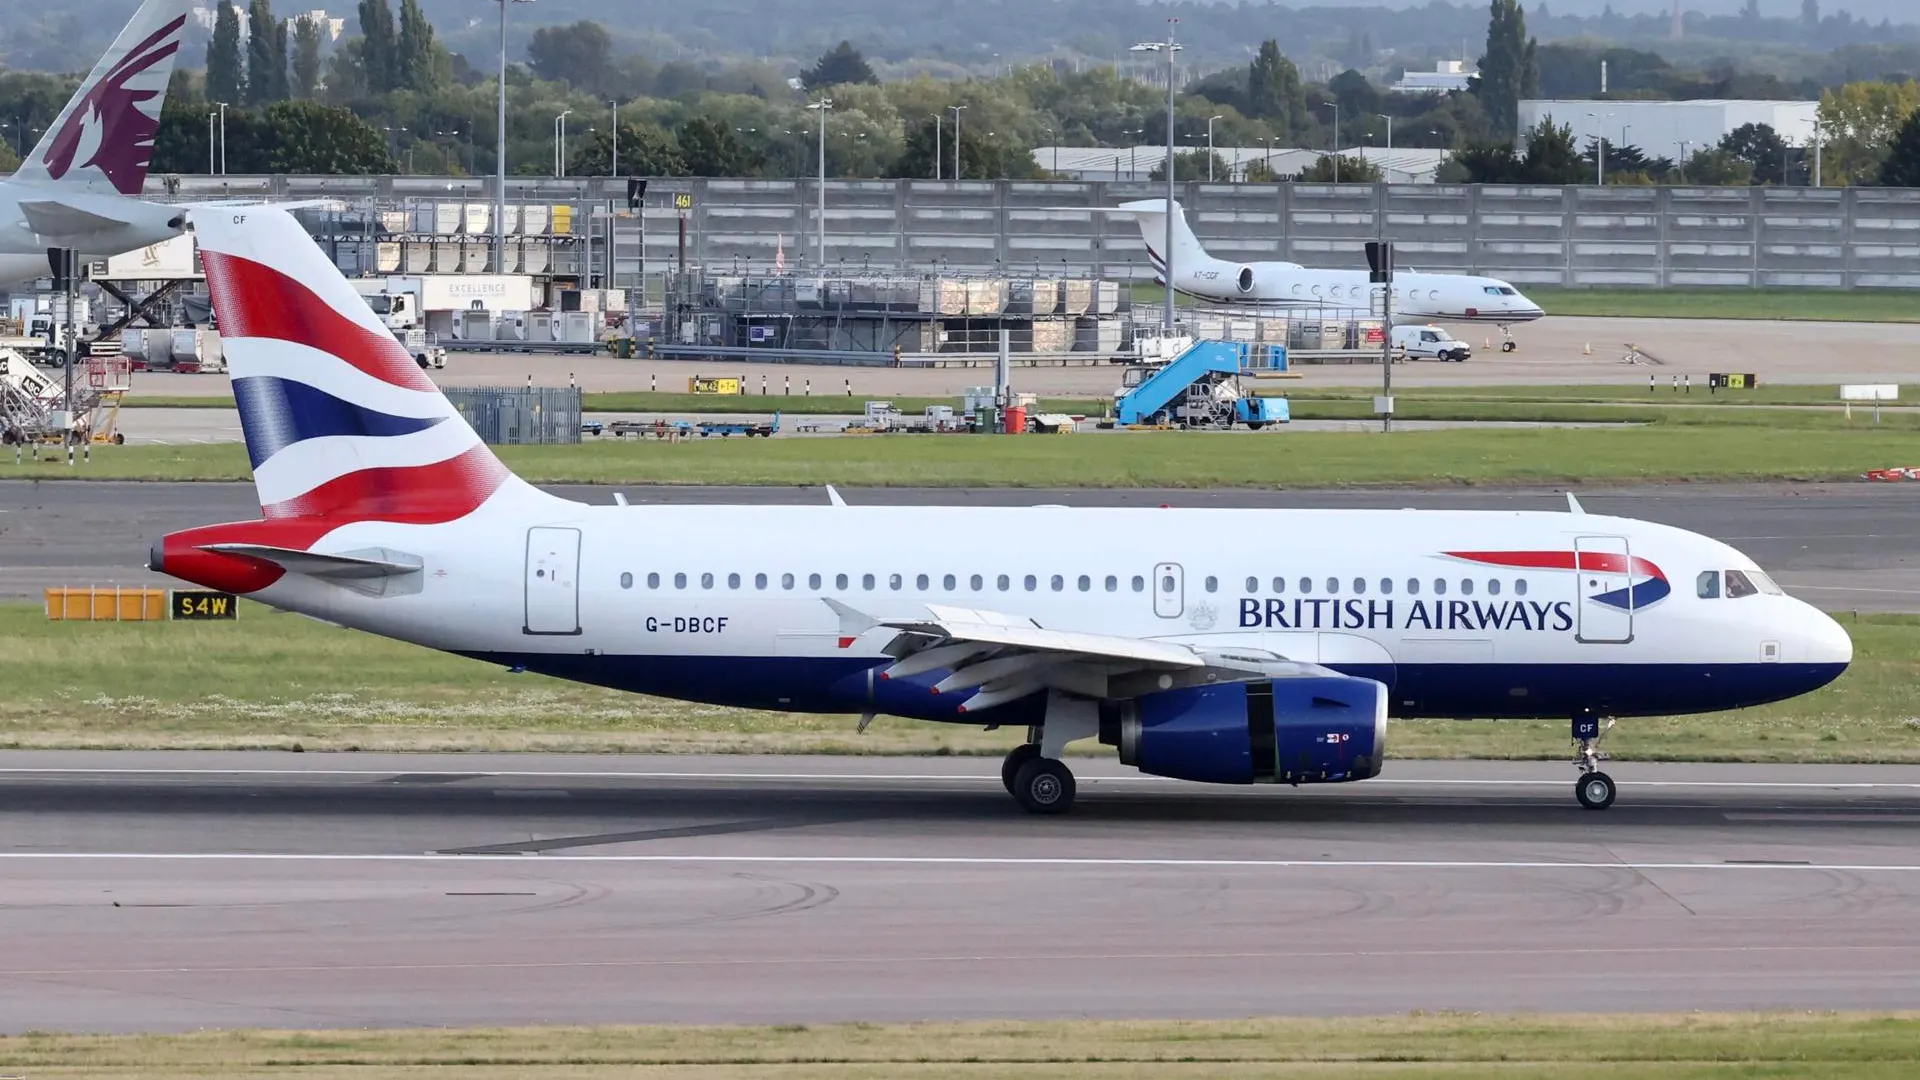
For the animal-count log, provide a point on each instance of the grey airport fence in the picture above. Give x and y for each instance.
(1576, 236)
(520, 415)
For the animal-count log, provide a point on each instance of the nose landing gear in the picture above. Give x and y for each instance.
(1507, 344)
(1595, 789)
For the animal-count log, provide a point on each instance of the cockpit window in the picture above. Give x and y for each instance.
(1738, 585)
(1508, 290)
(1708, 585)
(1491, 290)
(1766, 583)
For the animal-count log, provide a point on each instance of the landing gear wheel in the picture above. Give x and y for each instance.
(1017, 757)
(1043, 786)
(1509, 345)
(1595, 791)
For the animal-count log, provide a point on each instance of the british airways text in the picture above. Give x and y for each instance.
(1329, 613)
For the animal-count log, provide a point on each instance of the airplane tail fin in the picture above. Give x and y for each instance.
(1151, 216)
(103, 139)
(341, 424)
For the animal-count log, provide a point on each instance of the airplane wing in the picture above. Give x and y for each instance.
(1004, 658)
(51, 217)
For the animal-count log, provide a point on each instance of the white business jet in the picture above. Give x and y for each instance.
(1225, 646)
(80, 187)
(1417, 297)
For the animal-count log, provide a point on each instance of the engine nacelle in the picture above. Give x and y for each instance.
(1244, 280)
(1281, 731)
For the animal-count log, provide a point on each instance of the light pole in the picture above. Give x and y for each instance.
(937, 121)
(1816, 151)
(500, 148)
(956, 110)
(821, 107)
(1387, 173)
(1056, 152)
(1336, 139)
(211, 113)
(223, 137)
(560, 144)
(1599, 149)
(1210, 120)
(1170, 48)
(1685, 152)
(616, 135)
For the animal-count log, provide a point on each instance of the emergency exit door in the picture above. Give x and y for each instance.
(1605, 611)
(553, 581)
(1169, 590)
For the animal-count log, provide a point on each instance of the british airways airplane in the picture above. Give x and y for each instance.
(1417, 297)
(1223, 646)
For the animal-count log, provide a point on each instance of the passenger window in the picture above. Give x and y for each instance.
(1386, 586)
(813, 582)
(1139, 583)
(1279, 584)
(786, 581)
(1213, 583)
(1085, 583)
(1306, 586)
(1493, 587)
(679, 581)
(1413, 586)
(759, 581)
(949, 583)
(1439, 586)
(1520, 587)
(840, 582)
(1707, 585)
(976, 583)
(1466, 586)
(894, 582)
(920, 582)
(1058, 583)
(1253, 584)
(1359, 586)
(1333, 585)
(866, 582)
(653, 581)
(1738, 585)
(1113, 583)
(1167, 584)
(733, 581)
(706, 581)
(626, 581)
(1004, 582)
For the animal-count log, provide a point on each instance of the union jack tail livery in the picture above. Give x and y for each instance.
(104, 138)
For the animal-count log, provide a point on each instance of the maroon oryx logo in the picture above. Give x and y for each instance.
(109, 128)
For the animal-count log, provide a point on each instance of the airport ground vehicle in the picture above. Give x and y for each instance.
(1429, 343)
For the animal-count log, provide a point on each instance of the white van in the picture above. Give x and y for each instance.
(1429, 343)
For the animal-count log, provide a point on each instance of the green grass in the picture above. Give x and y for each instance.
(1626, 393)
(1815, 305)
(1693, 1046)
(836, 404)
(1727, 445)
(271, 681)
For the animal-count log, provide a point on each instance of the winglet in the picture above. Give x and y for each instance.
(833, 497)
(853, 622)
(1573, 505)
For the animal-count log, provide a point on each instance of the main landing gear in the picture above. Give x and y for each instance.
(1595, 789)
(1041, 785)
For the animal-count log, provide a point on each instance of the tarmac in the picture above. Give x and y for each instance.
(180, 891)
(1844, 547)
(1554, 350)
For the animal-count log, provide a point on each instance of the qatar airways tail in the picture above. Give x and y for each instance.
(1418, 297)
(1224, 646)
(80, 186)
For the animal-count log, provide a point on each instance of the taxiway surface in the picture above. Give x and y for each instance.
(152, 892)
(1840, 546)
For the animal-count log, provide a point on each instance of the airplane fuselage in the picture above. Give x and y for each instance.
(1459, 614)
(1417, 297)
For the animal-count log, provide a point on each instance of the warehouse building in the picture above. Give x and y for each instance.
(1671, 129)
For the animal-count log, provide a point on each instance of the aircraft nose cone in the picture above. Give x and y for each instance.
(1827, 642)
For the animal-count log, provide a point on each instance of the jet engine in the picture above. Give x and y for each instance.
(1244, 280)
(1318, 730)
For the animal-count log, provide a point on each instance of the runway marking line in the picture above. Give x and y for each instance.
(942, 860)
(1812, 785)
(960, 958)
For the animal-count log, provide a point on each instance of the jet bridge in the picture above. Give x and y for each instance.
(1200, 387)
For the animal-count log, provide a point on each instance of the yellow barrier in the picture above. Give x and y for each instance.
(107, 605)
